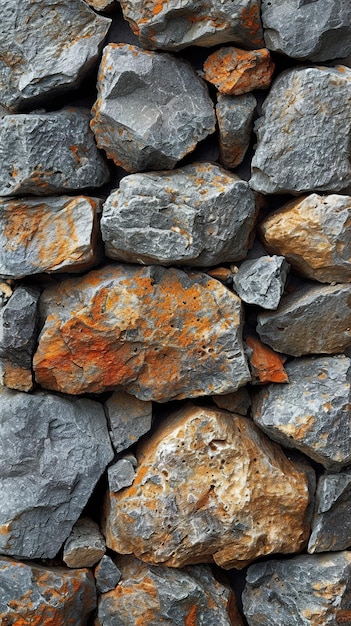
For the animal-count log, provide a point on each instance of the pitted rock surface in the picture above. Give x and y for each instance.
(235, 72)
(152, 108)
(85, 544)
(161, 334)
(197, 215)
(128, 419)
(313, 233)
(298, 148)
(209, 486)
(235, 119)
(170, 25)
(261, 281)
(46, 46)
(312, 412)
(30, 162)
(53, 234)
(53, 451)
(328, 331)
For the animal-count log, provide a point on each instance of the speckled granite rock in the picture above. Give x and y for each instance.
(30, 162)
(198, 215)
(46, 46)
(307, 589)
(85, 544)
(235, 72)
(298, 148)
(328, 331)
(235, 119)
(331, 523)
(53, 451)
(170, 26)
(37, 595)
(128, 419)
(209, 486)
(161, 334)
(318, 30)
(152, 108)
(261, 281)
(107, 575)
(312, 412)
(55, 234)
(313, 234)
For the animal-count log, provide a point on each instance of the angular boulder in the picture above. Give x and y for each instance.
(262, 281)
(235, 119)
(85, 544)
(128, 419)
(331, 522)
(18, 326)
(235, 72)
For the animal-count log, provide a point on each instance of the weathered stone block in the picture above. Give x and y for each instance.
(235, 72)
(85, 544)
(120, 474)
(128, 418)
(331, 523)
(107, 575)
(262, 281)
(235, 119)
(18, 326)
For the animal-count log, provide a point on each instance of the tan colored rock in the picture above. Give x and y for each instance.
(85, 544)
(209, 487)
(101, 5)
(234, 71)
(16, 377)
(313, 233)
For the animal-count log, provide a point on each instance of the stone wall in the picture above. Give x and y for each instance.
(175, 303)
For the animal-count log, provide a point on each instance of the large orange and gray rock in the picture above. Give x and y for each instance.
(298, 148)
(313, 233)
(31, 163)
(53, 450)
(235, 72)
(313, 320)
(46, 46)
(152, 108)
(128, 419)
(235, 120)
(37, 595)
(209, 487)
(198, 215)
(312, 412)
(168, 25)
(159, 333)
(55, 234)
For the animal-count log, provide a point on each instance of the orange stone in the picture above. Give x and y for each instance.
(234, 71)
(267, 366)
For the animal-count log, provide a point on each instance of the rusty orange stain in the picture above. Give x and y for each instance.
(267, 365)
(190, 618)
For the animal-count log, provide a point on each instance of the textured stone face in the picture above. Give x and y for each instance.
(100, 5)
(107, 575)
(121, 474)
(53, 452)
(168, 26)
(234, 117)
(199, 215)
(328, 331)
(237, 402)
(18, 326)
(159, 333)
(261, 281)
(311, 589)
(298, 148)
(235, 72)
(57, 234)
(152, 108)
(209, 487)
(32, 163)
(33, 594)
(85, 545)
(45, 46)
(313, 233)
(318, 30)
(312, 412)
(331, 523)
(266, 365)
(128, 417)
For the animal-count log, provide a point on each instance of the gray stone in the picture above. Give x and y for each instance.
(120, 475)
(261, 281)
(152, 108)
(53, 451)
(237, 402)
(331, 524)
(313, 320)
(235, 120)
(55, 234)
(107, 575)
(48, 153)
(18, 325)
(85, 544)
(128, 418)
(198, 215)
(46, 46)
(173, 26)
(307, 589)
(312, 412)
(318, 30)
(298, 148)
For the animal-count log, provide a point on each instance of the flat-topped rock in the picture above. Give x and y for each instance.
(235, 72)
(235, 119)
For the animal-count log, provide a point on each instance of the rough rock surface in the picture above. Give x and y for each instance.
(85, 544)
(37, 595)
(328, 331)
(198, 215)
(120, 474)
(298, 148)
(159, 333)
(266, 365)
(53, 452)
(46, 46)
(55, 234)
(152, 108)
(313, 233)
(107, 575)
(331, 523)
(101, 5)
(167, 25)
(318, 30)
(18, 326)
(235, 119)
(261, 281)
(209, 487)
(237, 402)
(307, 589)
(312, 412)
(30, 162)
(235, 72)
(153, 595)
(128, 419)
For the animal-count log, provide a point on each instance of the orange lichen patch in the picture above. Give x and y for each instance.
(343, 616)
(251, 22)
(266, 365)
(190, 618)
(235, 71)
(158, 7)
